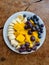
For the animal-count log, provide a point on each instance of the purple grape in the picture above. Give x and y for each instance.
(29, 49)
(26, 27)
(32, 38)
(34, 48)
(29, 32)
(27, 44)
(37, 43)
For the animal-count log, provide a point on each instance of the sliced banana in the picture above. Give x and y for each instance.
(14, 21)
(20, 16)
(11, 37)
(11, 34)
(18, 46)
(14, 43)
(25, 19)
(11, 24)
(18, 20)
(10, 29)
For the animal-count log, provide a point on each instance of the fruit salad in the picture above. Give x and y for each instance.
(24, 33)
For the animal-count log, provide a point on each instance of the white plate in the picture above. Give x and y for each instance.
(9, 20)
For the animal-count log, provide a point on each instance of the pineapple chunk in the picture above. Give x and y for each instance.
(20, 38)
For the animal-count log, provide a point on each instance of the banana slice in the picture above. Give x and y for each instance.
(18, 46)
(20, 16)
(25, 19)
(14, 21)
(11, 34)
(14, 43)
(11, 24)
(18, 20)
(10, 29)
(11, 37)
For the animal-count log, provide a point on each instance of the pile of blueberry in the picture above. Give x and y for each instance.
(31, 28)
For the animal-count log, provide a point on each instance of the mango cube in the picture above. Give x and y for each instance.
(20, 38)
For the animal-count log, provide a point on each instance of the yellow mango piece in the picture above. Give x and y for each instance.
(20, 38)
(32, 21)
(38, 40)
(19, 26)
(27, 38)
(16, 33)
(31, 45)
(35, 34)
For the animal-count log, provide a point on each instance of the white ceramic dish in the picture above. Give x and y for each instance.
(9, 20)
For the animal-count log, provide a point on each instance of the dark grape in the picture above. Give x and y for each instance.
(29, 32)
(32, 38)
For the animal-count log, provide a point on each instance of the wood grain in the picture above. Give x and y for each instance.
(41, 8)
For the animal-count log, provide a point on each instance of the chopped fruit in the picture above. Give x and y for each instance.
(28, 49)
(28, 22)
(32, 38)
(19, 26)
(26, 31)
(23, 46)
(34, 48)
(33, 29)
(26, 27)
(28, 19)
(20, 38)
(30, 25)
(32, 21)
(29, 32)
(35, 34)
(27, 44)
(37, 43)
(31, 45)
(42, 25)
(24, 15)
(16, 33)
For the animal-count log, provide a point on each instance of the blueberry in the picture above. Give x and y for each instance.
(35, 22)
(26, 27)
(37, 27)
(39, 36)
(39, 33)
(24, 15)
(27, 44)
(33, 29)
(34, 16)
(28, 19)
(31, 18)
(29, 32)
(42, 25)
(32, 38)
(37, 19)
(37, 43)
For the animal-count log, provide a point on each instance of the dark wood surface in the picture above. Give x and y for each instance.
(41, 8)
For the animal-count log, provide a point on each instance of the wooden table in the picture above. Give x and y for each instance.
(41, 8)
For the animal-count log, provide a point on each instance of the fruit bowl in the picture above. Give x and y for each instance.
(28, 15)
